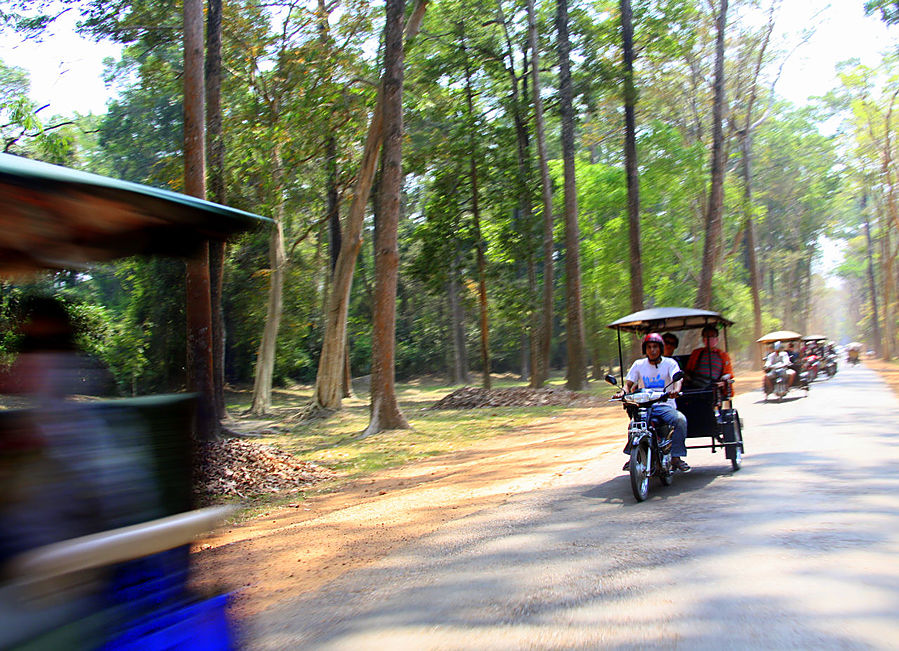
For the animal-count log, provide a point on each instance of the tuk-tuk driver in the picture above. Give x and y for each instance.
(657, 372)
(777, 358)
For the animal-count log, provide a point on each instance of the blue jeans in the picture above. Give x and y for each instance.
(678, 424)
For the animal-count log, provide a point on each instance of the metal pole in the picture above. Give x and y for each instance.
(620, 358)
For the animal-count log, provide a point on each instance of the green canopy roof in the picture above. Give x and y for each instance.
(56, 217)
(668, 318)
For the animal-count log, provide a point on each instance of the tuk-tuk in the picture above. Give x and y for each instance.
(708, 410)
(791, 342)
(125, 586)
(815, 356)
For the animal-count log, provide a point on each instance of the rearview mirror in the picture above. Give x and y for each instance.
(611, 380)
(677, 376)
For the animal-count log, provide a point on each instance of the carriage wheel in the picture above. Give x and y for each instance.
(640, 471)
(736, 460)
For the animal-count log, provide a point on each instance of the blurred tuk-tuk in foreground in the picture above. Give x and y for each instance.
(96, 513)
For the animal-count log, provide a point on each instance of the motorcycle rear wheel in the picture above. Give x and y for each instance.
(639, 472)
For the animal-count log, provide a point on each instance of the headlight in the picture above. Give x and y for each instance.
(641, 397)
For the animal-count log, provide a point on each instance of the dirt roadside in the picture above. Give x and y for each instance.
(888, 372)
(288, 551)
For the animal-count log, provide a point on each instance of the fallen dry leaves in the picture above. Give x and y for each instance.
(245, 468)
(475, 397)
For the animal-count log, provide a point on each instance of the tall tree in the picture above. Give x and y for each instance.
(872, 283)
(384, 409)
(329, 380)
(577, 368)
(744, 135)
(713, 218)
(199, 307)
(265, 357)
(630, 158)
(476, 214)
(541, 366)
(215, 147)
(524, 212)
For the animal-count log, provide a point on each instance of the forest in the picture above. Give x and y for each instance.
(466, 187)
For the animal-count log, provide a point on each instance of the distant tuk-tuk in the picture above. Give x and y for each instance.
(791, 342)
(708, 410)
(125, 586)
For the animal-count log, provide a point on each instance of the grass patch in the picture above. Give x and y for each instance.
(336, 442)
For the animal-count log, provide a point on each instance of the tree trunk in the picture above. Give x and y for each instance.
(215, 144)
(199, 306)
(630, 159)
(265, 357)
(457, 318)
(712, 249)
(871, 280)
(333, 203)
(476, 222)
(533, 340)
(543, 358)
(749, 229)
(523, 156)
(746, 166)
(889, 291)
(576, 376)
(385, 411)
(329, 380)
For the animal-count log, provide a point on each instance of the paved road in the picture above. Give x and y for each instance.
(799, 549)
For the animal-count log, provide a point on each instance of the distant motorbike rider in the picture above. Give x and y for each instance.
(778, 358)
(657, 372)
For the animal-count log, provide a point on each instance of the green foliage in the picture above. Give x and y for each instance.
(22, 130)
(888, 9)
(293, 84)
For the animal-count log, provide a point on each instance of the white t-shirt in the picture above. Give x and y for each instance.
(777, 358)
(647, 375)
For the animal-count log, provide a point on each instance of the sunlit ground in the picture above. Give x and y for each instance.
(337, 441)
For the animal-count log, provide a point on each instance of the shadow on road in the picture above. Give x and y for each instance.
(618, 489)
(796, 550)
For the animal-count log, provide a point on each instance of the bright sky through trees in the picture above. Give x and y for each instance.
(67, 71)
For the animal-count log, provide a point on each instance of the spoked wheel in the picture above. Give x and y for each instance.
(640, 471)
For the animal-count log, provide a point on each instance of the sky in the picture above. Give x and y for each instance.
(67, 71)
(841, 31)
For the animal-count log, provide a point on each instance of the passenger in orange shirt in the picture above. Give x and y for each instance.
(709, 364)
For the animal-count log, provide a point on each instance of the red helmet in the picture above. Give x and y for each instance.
(653, 337)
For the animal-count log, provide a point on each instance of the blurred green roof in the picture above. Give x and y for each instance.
(56, 217)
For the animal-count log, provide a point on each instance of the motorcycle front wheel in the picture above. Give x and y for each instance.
(640, 471)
